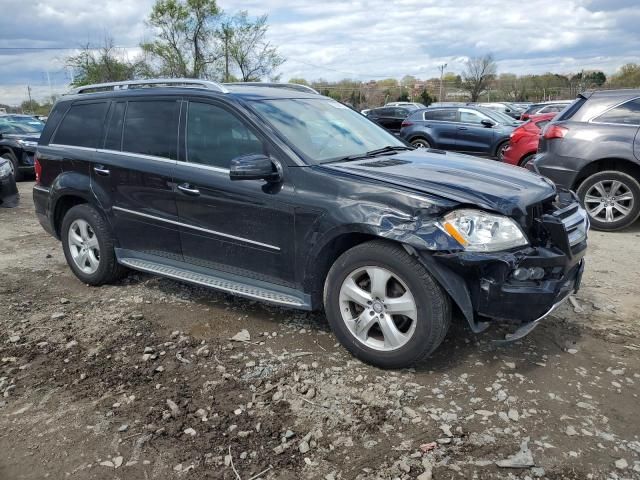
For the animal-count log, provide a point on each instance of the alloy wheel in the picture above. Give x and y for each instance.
(378, 308)
(609, 201)
(84, 246)
(420, 144)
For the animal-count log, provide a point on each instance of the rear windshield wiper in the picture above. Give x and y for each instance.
(371, 153)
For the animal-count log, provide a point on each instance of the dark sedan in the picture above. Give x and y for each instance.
(467, 129)
(390, 117)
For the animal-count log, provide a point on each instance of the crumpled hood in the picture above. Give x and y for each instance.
(488, 184)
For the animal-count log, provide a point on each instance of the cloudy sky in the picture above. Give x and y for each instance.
(333, 39)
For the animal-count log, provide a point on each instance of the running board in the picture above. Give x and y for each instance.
(233, 286)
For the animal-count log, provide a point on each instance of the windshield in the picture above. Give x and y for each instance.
(498, 116)
(12, 127)
(323, 130)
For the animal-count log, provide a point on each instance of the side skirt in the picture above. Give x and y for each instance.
(236, 285)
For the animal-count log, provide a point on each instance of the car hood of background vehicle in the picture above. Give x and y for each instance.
(30, 137)
(475, 181)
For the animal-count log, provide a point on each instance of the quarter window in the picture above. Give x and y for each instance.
(625, 114)
(215, 136)
(82, 125)
(151, 128)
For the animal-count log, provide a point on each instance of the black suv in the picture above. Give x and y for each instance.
(18, 141)
(390, 117)
(593, 148)
(294, 199)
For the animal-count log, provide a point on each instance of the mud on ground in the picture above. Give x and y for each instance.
(141, 380)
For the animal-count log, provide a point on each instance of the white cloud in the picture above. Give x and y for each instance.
(361, 39)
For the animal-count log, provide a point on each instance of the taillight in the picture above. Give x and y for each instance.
(554, 131)
(37, 168)
(406, 123)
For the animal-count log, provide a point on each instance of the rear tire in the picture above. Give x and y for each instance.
(18, 175)
(89, 246)
(372, 327)
(500, 150)
(526, 159)
(612, 200)
(420, 143)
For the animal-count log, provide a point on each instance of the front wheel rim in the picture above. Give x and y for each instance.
(420, 144)
(378, 308)
(84, 246)
(609, 201)
(501, 151)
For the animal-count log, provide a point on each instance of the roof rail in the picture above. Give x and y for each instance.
(150, 83)
(291, 86)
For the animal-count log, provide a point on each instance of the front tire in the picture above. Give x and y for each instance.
(89, 246)
(17, 174)
(612, 200)
(384, 307)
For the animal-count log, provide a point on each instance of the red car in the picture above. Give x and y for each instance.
(523, 143)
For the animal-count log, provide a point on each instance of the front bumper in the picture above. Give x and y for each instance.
(484, 286)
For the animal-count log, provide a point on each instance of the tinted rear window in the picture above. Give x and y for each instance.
(82, 125)
(151, 128)
(442, 115)
(626, 114)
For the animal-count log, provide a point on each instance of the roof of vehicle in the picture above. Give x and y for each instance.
(621, 92)
(252, 91)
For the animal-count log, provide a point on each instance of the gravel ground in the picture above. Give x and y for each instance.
(152, 378)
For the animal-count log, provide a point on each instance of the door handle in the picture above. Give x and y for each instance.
(462, 128)
(188, 189)
(100, 170)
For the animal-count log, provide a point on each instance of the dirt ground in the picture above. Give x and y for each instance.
(140, 380)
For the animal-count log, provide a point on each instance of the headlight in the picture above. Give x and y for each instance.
(5, 169)
(479, 231)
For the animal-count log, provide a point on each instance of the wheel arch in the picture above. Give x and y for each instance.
(423, 136)
(618, 164)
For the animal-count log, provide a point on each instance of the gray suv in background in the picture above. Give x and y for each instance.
(593, 148)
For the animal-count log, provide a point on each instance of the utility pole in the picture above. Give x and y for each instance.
(441, 68)
(30, 101)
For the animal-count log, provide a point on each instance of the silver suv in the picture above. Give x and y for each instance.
(593, 148)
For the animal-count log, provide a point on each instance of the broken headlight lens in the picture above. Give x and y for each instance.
(479, 231)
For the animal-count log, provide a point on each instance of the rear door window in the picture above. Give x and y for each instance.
(82, 125)
(626, 114)
(441, 115)
(151, 128)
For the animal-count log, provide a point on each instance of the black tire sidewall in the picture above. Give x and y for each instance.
(107, 255)
(17, 174)
(526, 159)
(629, 181)
(427, 294)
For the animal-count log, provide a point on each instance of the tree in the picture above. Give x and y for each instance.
(185, 44)
(628, 76)
(478, 72)
(105, 64)
(299, 81)
(246, 45)
(425, 98)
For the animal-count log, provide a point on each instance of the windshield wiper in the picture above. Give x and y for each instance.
(370, 153)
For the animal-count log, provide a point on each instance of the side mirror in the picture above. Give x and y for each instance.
(487, 123)
(255, 167)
